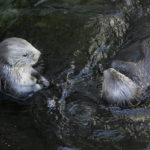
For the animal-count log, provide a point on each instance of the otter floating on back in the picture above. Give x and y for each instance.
(17, 76)
(129, 76)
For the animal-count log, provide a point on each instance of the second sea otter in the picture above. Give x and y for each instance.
(129, 76)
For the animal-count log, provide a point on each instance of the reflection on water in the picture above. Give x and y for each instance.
(79, 111)
(77, 40)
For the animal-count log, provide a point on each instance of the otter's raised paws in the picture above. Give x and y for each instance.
(37, 87)
(34, 80)
(43, 82)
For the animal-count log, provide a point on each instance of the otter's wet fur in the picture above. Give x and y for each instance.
(17, 76)
(129, 76)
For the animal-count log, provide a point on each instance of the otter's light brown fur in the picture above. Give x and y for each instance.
(129, 75)
(17, 76)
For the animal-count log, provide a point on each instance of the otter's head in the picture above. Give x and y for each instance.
(119, 89)
(18, 52)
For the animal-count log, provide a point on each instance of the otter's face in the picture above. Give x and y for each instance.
(18, 52)
(117, 88)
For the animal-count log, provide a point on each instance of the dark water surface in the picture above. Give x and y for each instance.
(77, 40)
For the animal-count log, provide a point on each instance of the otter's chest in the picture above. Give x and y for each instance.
(18, 74)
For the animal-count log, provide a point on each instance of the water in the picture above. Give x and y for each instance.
(77, 40)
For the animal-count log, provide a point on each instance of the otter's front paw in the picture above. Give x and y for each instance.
(37, 87)
(43, 82)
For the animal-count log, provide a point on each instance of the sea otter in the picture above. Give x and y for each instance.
(126, 81)
(18, 78)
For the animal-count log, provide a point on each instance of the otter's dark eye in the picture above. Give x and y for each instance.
(25, 55)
